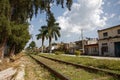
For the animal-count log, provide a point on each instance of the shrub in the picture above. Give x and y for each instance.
(59, 52)
(67, 52)
(77, 53)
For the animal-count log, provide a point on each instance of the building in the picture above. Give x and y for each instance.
(109, 41)
(80, 45)
(87, 46)
(91, 48)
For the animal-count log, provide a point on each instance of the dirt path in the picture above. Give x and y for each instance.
(33, 71)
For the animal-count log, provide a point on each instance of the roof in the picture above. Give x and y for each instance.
(92, 44)
(109, 28)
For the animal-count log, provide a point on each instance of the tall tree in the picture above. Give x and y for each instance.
(5, 28)
(53, 29)
(19, 11)
(42, 35)
(19, 37)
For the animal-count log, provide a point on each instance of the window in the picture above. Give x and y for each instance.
(105, 49)
(105, 34)
(95, 49)
(118, 31)
(104, 44)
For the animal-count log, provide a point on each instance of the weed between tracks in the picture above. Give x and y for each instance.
(34, 71)
(74, 73)
(110, 65)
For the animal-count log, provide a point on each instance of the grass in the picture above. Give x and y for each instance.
(34, 71)
(74, 73)
(110, 65)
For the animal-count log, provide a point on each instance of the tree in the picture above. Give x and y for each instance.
(42, 35)
(32, 45)
(18, 38)
(18, 11)
(53, 29)
(5, 28)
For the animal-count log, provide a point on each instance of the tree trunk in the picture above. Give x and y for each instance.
(50, 40)
(42, 45)
(2, 48)
(12, 51)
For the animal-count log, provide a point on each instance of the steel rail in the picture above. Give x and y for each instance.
(92, 69)
(57, 74)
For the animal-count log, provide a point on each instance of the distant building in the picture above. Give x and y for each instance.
(87, 46)
(109, 41)
(80, 45)
(92, 49)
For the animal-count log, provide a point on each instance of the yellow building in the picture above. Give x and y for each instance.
(109, 41)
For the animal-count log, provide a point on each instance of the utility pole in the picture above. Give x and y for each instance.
(82, 40)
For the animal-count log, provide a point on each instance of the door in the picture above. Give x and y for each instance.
(117, 49)
(104, 49)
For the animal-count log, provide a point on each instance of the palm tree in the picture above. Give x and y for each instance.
(53, 32)
(42, 35)
(53, 29)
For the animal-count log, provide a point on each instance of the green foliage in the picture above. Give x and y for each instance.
(32, 45)
(73, 72)
(19, 36)
(13, 20)
(77, 53)
(24, 9)
(5, 8)
(67, 52)
(110, 65)
(43, 34)
(5, 27)
(58, 52)
(53, 29)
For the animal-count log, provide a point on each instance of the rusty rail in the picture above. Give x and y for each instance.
(57, 74)
(92, 69)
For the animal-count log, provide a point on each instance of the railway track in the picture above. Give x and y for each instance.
(93, 69)
(63, 71)
(57, 74)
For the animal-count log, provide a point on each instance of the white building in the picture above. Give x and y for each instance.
(109, 41)
(91, 48)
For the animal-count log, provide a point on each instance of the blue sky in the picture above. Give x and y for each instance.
(88, 15)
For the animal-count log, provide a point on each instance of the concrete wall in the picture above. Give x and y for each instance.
(111, 46)
(110, 40)
(90, 50)
(111, 32)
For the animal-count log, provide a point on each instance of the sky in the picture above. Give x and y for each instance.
(85, 15)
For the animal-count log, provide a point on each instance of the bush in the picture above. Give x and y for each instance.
(67, 52)
(77, 53)
(59, 52)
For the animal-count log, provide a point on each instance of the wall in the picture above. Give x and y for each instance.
(111, 32)
(111, 46)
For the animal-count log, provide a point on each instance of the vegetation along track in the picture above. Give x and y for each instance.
(93, 69)
(70, 72)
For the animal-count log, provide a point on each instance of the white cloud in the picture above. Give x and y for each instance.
(112, 15)
(31, 28)
(109, 16)
(85, 14)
